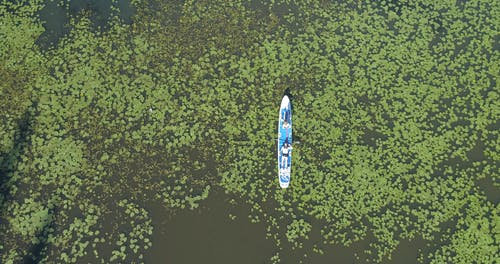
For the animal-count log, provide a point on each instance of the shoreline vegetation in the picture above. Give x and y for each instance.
(134, 103)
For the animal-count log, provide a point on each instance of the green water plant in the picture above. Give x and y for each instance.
(396, 105)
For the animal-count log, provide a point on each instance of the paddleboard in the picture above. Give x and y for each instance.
(285, 142)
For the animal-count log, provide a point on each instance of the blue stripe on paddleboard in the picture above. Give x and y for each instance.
(284, 135)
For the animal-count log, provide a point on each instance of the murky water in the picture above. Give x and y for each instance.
(208, 235)
(56, 16)
(487, 186)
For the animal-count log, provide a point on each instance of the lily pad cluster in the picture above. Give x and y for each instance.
(396, 105)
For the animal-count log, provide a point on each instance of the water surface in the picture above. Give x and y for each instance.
(208, 235)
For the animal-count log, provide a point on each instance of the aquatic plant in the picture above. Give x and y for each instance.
(396, 104)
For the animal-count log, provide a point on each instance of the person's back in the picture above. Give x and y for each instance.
(286, 125)
(285, 150)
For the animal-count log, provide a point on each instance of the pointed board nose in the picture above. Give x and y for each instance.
(284, 137)
(285, 101)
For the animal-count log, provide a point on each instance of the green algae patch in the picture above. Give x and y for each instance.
(396, 105)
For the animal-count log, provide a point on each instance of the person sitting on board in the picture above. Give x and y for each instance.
(285, 152)
(286, 125)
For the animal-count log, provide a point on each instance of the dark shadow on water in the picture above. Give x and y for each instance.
(9, 161)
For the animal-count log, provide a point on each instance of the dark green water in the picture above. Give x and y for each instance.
(56, 16)
(208, 235)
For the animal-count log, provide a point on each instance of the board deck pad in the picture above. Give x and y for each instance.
(285, 142)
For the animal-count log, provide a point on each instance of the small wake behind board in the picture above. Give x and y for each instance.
(285, 142)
